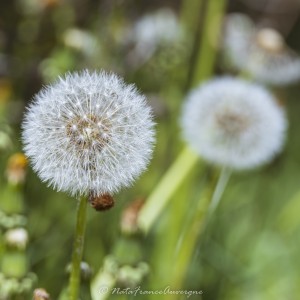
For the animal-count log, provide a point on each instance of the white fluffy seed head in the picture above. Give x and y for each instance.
(233, 123)
(88, 133)
(262, 52)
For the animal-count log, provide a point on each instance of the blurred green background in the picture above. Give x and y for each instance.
(249, 251)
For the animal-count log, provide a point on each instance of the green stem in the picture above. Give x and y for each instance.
(209, 42)
(187, 159)
(190, 14)
(74, 283)
(219, 190)
(201, 69)
(166, 188)
(187, 241)
(193, 19)
(197, 225)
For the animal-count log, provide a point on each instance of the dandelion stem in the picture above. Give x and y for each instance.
(201, 68)
(209, 41)
(219, 190)
(166, 188)
(193, 18)
(196, 227)
(74, 284)
(188, 239)
(205, 60)
(190, 14)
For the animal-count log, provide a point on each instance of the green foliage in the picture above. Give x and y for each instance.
(250, 247)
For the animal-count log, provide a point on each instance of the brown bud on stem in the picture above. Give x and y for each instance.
(102, 202)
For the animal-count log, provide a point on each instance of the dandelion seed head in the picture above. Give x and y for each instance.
(262, 52)
(88, 133)
(238, 31)
(233, 123)
(270, 40)
(158, 27)
(150, 33)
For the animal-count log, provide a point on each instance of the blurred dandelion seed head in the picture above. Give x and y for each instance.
(262, 52)
(151, 32)
(155, 28)
(270, 40)
(233, 123)
(89, 133)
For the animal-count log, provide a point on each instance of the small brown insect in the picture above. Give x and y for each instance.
(101, 203)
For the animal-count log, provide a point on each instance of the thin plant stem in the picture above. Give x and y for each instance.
(204, 64)
(174, 177)
(189, 13)
(209, 42)
(166, 188)
(187, 241)
(208, 203)
(74, 283)
(219, 190)
(193, 18)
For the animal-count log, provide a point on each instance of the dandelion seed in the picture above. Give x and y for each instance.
(104, 133)
(262, 52)
(233, 123)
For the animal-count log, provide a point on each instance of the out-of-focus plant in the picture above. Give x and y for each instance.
(260, 52)
(125, 266)
(15, 278)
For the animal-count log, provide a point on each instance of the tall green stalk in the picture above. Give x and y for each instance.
(166, 188)
(219, 190)
(189, 14)
(201, 68)
(188, 239)
(186, 160)
(74, 283)
(209, 41)
(207, 204)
